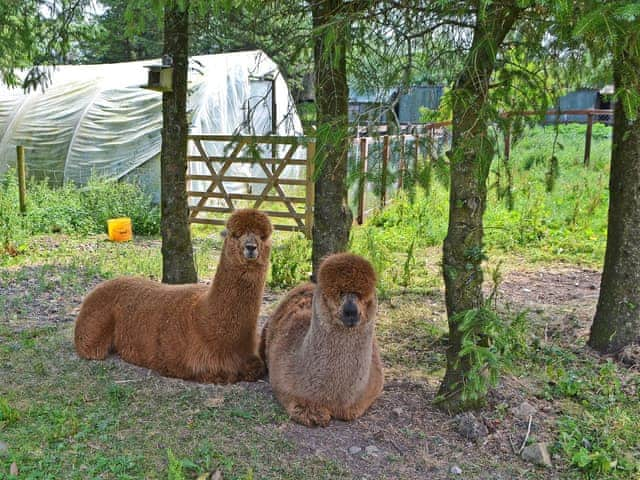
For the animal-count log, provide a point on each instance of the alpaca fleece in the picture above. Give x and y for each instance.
(320, 346)
(195, 332)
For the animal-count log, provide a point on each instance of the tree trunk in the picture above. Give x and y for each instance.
(331, 216)
(177, 252)
(617, 320)
(471, 154)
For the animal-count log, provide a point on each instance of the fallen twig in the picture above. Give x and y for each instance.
(526, 437)
(396, 446)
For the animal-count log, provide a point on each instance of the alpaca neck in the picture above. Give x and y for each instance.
(246, 282)
(237, 291)
(341, 358)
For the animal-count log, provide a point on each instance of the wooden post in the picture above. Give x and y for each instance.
(431, 140)
(22, 179)
(274, 123)
(507, 143)
(587, 140)
(416, 161)
(310, 189)
(383, 173)
(402, 165)
(362, 181)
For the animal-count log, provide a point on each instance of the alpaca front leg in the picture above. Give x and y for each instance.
(352, 412)
(307, 413)
(252, 370)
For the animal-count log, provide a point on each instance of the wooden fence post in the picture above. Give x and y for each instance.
(587, 140)
(507, 143)
(402, 165)
(362, 183)
(383, 174)
(22, 179)
(431, 140)
(417, 150)
(310, 189)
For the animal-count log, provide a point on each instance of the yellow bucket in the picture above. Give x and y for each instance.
(120, 229)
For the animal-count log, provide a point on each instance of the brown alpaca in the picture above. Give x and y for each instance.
(195, 332)
(320, 345)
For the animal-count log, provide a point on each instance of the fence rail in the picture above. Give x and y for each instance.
(412, 143)
(427, 141)
(246, 150)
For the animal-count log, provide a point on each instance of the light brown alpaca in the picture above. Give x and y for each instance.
(195, 332)
(320, 345)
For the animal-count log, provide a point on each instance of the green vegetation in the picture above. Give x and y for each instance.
(65, 418)
(566, 223)
(290, 261)
(71, 210)
(598, 433)
(82, 419)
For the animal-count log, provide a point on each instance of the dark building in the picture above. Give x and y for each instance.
(582, 99)
(375, 108)
(427, 96)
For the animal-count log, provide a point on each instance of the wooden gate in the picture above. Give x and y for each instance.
(277, 203)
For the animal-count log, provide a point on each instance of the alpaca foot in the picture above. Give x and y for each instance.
(92, 353)
(349, 414)
(253, 370)
(310, 415)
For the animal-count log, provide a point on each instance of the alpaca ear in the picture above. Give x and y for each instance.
(224, 233)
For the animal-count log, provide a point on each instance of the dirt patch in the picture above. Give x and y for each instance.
(538, 288)
(402, 435)
(38, 296)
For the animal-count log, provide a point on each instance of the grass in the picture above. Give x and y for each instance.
(567, 223)
(66, 418)
(597, 430)
(70, 210)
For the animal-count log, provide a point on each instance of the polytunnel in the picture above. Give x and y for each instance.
(96, 120)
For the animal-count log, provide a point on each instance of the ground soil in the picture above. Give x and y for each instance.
(412, 439)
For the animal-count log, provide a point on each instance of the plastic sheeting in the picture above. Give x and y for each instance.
(96, 120)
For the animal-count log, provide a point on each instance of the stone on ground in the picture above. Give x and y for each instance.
(538, 454)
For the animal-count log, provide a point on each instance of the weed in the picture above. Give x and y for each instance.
(13, 234)
(176, 466)
(8, 414)
(72, 210)
(290, 261)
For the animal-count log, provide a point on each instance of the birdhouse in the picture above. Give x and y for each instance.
(160, 77)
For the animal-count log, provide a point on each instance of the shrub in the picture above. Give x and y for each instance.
(52, 210)
(70, 209)
(105, 199)
(12, 229)
(290, 261)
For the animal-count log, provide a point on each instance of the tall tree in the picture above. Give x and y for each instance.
(177, 251)
(332, 217)
(471, 154)
(128, 31)
(617, 320)
(37, 34)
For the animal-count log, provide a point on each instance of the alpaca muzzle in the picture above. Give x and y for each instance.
(350, 315)
(250, 251)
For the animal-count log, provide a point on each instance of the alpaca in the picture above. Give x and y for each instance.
(320, 346)
(194, 332)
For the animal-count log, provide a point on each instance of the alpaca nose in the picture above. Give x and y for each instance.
(350, 313)
(251, 250)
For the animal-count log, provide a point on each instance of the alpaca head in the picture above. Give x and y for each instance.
(347, 287)
(248, 238)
